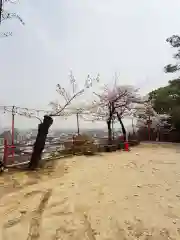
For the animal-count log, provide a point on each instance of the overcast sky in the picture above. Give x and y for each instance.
(87, 37)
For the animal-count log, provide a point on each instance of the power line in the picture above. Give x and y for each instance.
(22, 108)
(23, 111)
(38, 113)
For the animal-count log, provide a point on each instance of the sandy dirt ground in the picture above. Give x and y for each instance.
(118, 196)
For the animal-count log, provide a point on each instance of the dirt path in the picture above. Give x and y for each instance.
(118, 196)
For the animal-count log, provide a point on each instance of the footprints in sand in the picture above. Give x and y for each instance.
(32, 193)
(21, 217)
(35, 224)
(12, 222)
(59, 208)
(74, 224)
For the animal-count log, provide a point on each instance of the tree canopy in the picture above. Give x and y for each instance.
(175, 43)
(166, 100)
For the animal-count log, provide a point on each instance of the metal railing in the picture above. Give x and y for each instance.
(13, 156)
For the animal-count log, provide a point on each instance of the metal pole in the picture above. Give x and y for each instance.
(77, 118)
(13, 114)
(149, 128)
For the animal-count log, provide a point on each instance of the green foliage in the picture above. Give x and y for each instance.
(166, 100)
(175, 43)
(175, 116)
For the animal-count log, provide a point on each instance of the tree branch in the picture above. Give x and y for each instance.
(5, 15)
(67, 103)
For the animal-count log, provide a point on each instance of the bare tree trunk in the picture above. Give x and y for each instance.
(109, 131)
(40, 142)
(122, 126)
(109, 121)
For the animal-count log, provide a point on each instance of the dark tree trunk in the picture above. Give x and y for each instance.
(122, 126)
(40, 141)
(109, 131)
(109, 121)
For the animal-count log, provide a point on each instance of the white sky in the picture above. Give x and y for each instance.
(87, 37)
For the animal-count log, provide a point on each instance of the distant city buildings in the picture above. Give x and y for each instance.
(6, 135)
(27, 138)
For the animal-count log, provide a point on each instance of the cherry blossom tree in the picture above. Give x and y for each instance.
(144, 114)
(75, 108)
(148, 117)
(114, 103)
(5, 14)
(58, 109)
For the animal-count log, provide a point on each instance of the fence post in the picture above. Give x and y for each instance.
(73, 148)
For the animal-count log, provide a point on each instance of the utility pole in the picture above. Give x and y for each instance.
(77, 118)
(13, 114)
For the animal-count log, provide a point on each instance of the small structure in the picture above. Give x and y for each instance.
(81, 144)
